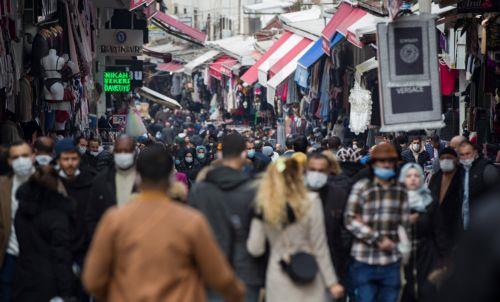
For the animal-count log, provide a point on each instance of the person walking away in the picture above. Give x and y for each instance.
(429, 248)
(166, 259)
(292, 221)
(44, 150)
(44, 230)
(376, 268)
(96, 157)
(225, 198)
(115, 186)
(479, 176)
(446, 187)
(416, 153)
(20, 159)
(333, 199)
(77, 184)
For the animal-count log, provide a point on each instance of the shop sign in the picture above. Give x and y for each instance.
(117, 81)
(120, 42)
(478, 6)
(409, 75)
(119, 119)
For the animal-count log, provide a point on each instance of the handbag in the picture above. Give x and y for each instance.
(300, 266)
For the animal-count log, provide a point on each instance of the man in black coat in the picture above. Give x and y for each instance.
(334, 200)
(97, 158)
(225, 198)
(416, 153)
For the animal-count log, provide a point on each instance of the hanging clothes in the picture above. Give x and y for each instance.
(324, 101)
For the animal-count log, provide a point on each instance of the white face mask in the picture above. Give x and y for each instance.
(43, 160)
(65, 176)
(415, 147)
(124, 161)
(82, 150)
(467, 163)
(316, 180)
(447, 165)
(22, 166)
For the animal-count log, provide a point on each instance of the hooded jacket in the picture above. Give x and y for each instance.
(225, 198)
(44, 228)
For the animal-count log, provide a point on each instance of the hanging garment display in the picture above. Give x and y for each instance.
(361, 109)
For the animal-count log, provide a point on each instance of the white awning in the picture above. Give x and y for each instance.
(366, 25)
(159, 98)
(269, 7)
(191, 66)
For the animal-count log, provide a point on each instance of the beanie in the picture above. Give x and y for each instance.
(65, 145)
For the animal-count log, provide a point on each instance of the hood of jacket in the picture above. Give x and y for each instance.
(34, 199)
(226, 178)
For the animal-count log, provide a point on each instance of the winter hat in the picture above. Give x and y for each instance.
(267, 150)
(449, 151)
(65, 145)
(383, 151)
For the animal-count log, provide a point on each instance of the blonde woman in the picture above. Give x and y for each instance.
(292, 221)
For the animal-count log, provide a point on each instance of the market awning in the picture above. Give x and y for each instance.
(159, 98)
(252, 73)
(179, 29)
(222, 66)
(208, 56)
(170, 67)
(364, 26)
(354, 16)
(307, 60)
(277, 56)
(343, 11)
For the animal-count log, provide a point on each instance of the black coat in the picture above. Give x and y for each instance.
(97, 163)
(226, 199)
(451, 206)
(423, 157)
(79, 190)
(334, 200)
(44, 224)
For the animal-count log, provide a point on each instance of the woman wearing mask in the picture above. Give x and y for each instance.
(292, 223)
(188, 165)
(43, 225)
(429, 246)
(202, 157)
(446, 187)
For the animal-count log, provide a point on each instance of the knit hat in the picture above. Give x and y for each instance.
(449, 151)
(384, 151)
(267, 151)
(65, 145)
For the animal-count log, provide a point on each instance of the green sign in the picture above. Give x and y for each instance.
(117, 81)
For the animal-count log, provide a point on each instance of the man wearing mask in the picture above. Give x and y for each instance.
(416, 153)
(116, 185)
(44, 150)
(479, 176)
(376, 207)
(225, 197)
(259, 165)
(96, 157)
(334, 200)
(82, 144)
(20, 159)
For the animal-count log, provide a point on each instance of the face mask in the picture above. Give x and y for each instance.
(62, 174)
(200, 155)
(355, 147)
(22, 166)
(82, 150)
(100, 149)
(94, 153)
(415, 147)
(316, 180)
(43, 160)
(188, 159)
(447, 165)
(383, 173)
(177, 162)
(251, 153)
(467, 163)
(124, 160)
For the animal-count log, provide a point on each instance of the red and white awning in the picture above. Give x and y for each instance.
(171, 67)
(179, 28)
(364, 26)
(222, 66)
(343, 11)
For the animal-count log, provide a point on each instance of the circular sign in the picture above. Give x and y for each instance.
(121, 37)
(409, 53)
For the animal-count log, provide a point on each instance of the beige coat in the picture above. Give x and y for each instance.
(153, 249)
(308, 235)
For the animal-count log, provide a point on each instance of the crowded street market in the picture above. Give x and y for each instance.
(249, 150)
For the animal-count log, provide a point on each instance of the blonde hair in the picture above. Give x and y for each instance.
(335, 168)
(282, 184)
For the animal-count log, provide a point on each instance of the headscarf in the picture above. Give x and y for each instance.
(420, 198)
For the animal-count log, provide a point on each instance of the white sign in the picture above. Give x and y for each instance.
(120, 42)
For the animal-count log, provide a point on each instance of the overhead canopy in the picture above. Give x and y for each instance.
(269, 7)
(252, 73)
(222, 66)
(191, 66)
(307, 60)
(179, 29)
(159, 98)
(354, 16)
(343, 11)
(364, 26)
(239, 47)
(171, 67)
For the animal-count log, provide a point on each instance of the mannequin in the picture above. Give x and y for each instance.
(52, 65)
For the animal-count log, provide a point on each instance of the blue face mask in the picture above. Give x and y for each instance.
(251, 153)
(383, 173)
(177, 162)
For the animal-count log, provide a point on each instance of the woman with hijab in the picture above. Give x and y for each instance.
(202, 157)
(292, 221)
(188, 165)
(429, 246)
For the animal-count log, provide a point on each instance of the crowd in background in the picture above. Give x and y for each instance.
(195, 211)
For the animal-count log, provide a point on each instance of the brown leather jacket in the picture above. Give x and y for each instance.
(5, 214)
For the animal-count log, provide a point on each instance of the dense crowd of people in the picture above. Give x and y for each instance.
(194, 211)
